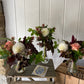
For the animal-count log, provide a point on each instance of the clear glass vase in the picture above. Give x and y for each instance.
(72, 67)
(46, 59)
(17, 68)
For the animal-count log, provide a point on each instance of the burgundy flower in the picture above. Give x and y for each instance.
(73, 39)
(43, 25)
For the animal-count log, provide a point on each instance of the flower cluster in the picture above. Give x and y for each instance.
(45, 37)
(73, 50)
(22, 52)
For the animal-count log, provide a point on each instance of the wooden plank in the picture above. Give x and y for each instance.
(70, 19)
(32, 17)
(9, 11)
(31, 82)
(81, 21)
(31, 14)
(1, 8)
(2, 21)
(81, 81)
(44, 11)
(62, 68)
(20, 18)
(56, 18)
(71, 80)
(60, 78)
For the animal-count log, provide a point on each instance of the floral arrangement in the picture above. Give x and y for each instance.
(45, 37)
(22, 53)
(73, 50)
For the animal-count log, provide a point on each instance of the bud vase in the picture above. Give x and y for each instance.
(46, 60)
(18, 67)
(72, 67)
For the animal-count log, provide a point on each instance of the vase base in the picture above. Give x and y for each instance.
(72, 71)
(45, 61)
(72, 68)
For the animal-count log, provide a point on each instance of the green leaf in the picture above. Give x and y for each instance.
(5, 39)
(39, 57)
(30, 29)
(83, 44)
(32, 58)
(33, 32)
(19, 39)
(55, 44)
(4, 54)
(76, 54)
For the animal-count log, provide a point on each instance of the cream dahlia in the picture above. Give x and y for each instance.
(63, 46)
(45, 31)
(18, 48)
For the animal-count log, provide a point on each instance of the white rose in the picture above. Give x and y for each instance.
(18, 48)
(45, 32)
(63, 46)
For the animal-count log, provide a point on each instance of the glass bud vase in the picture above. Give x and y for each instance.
(18, 67)
(45, 61)
(72, 68)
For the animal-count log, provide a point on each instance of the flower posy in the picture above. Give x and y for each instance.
(45, 37)
(73, 50)
(63, 46)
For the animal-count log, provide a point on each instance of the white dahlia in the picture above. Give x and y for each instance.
(63, 46)
(18, 48)
(45, 31)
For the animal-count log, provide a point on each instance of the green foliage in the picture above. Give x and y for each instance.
(83, 44)
(76, 55)
(51, 30)
(28, 39)
(4, 54)
(37, 57)
(33, 32)
(19, 39)
(5, 39)
(42, 27)
(32, 58)
(55, 44)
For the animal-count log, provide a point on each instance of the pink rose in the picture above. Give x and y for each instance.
(75, 46)
(8, 45)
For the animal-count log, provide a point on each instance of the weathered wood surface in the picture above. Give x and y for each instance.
(64, 77)
(81, 81)
(28, 72)
(29, 82)
(60, 78)
(79, 74)
(71, 80)
(2, 24)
